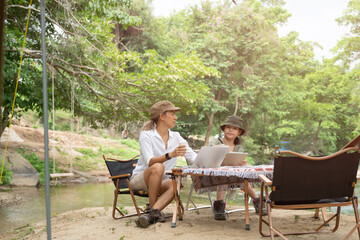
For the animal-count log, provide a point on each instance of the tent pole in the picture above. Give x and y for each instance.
(45, 117)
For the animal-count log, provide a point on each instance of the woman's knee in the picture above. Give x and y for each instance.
(158, 168)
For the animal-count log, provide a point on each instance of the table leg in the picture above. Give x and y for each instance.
(247, 218)
(180, 207)
(177, 205)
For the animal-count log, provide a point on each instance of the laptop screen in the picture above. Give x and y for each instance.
(210, 157)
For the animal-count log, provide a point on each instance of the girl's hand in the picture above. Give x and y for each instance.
(242, 163)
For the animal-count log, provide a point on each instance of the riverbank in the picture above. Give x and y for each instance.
(97, 223)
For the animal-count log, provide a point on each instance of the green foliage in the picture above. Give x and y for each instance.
(37, 163)
(65, 127)
(131, 143)
(213, 60)
(256, 153)
(6, 176)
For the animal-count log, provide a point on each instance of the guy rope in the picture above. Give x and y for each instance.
(17, 83)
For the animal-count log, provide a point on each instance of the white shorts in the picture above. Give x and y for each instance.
(137, 182)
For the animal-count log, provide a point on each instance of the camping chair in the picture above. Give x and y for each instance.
(302, 182)
(121, 171)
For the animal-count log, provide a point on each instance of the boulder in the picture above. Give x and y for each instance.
(24, 174)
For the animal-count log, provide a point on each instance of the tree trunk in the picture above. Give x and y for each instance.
(4, 118)
(248, 124)
(211, 120)
(236, 104)
(316, 138)
(210, 125)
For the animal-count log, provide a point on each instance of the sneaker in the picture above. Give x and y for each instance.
(256, 203)
(219, 210)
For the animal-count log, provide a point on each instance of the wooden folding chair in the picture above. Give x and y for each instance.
(120, 172)
(302, 182)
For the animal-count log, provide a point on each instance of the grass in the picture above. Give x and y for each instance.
(92, 160)
(131, 143)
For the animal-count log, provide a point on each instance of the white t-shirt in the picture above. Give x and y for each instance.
(152, 145)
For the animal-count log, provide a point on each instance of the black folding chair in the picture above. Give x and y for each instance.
(121, 171)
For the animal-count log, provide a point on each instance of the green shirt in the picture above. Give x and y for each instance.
(218, 141)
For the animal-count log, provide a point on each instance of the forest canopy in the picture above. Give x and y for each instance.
(113, 59)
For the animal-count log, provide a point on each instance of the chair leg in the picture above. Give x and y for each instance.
(316, 214)
(269, 219)
(189, 197)
(114, 204)
(133, 198)
(357, 225)
(210, 200)
(356, 211)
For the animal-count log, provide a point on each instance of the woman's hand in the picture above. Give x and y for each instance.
(179, 151)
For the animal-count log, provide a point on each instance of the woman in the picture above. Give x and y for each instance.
(159, 148)
(232, 129)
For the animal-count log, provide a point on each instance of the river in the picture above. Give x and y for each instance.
(69, 197)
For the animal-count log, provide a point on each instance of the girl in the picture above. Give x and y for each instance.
(232, 129)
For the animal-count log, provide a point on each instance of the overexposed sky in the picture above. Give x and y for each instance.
(314, 20)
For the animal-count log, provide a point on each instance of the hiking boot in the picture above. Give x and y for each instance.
(143, 221)
(148, 208)
(157, 216)
(256, 202)
(219, 210)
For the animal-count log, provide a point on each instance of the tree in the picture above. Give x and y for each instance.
(108, 84)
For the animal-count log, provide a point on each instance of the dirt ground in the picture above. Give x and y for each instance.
(62, 144)
(97, 223)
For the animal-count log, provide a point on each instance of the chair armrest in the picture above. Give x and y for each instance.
(265, 180)
(120, 176)
(119, 160)
(320, 158)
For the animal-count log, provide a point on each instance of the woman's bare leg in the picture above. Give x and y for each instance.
(166, 196)
(153, 178)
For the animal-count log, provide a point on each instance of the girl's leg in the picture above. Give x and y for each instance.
(252, 193)
(220, 194)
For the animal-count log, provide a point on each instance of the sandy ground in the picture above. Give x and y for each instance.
(97, 223)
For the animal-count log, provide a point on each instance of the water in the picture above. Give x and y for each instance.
(76, 196)
(62, 199)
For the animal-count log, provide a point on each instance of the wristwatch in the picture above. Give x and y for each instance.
(167, 156)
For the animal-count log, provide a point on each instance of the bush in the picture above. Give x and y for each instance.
(65, 127)
(6, 176)
(36, 163)
(256, 155)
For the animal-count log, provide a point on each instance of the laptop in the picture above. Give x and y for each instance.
(210, 157)
(234, 158)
